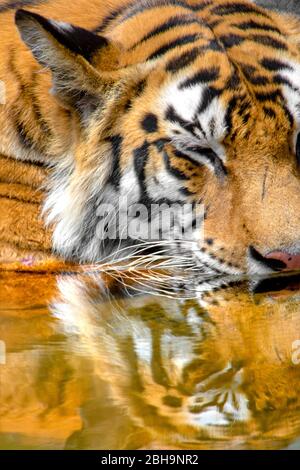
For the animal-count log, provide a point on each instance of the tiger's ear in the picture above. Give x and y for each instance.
(74, 55)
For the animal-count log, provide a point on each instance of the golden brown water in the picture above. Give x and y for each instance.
(82, 369)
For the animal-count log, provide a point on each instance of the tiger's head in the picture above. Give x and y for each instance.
(189, 102)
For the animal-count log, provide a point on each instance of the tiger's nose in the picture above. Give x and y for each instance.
(290, 261)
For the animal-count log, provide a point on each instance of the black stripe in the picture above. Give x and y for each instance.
(279, 80)
(269, 112)
(230, 108)
(231, 40)
(115, 177)
(141, 156)
(24, 136)
(233, 81)
(165, 200)
(242, 105)
(135, 8)
(47, 132)
(201, 6)
(187, 192)
(212, 158)
(288, 115)
(236, 7)
(89, 224)
(187, 39)
(24, 246)
(110, 17)
(27, 93)
(169, 24)
(268, 41)
(213, 45)
(202, 76)
(136, 93)
(269, 96)
(186, 157)
(250, 73)
(187, 57)
(213, 24)
(273, 96)
(246, 117)
(27, 140)
(172, 116)
(209, 94)
(21, 4)
(141, 6)
(140, 87)
(254, 25)
(18, 199)
(173, 171)
(25, 162)
(183, 60)
(274, 65)
(245, 106)
(247, 69)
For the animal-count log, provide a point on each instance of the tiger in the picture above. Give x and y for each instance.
(216, 372)
(156, 102)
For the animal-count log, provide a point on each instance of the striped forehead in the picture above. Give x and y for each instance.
(193, 105)
(220, 56)
(193, 112)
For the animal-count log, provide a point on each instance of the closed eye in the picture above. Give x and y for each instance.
(207, 156)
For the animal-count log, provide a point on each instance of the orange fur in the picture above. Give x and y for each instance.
(258, 203)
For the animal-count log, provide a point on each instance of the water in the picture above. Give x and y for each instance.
(82, 368)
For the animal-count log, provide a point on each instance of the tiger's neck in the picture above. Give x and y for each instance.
(35, 131)
(34, 126)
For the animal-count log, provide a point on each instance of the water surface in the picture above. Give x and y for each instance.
(82, 368)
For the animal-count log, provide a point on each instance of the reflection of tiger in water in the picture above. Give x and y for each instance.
(168, 101)
(219, 372)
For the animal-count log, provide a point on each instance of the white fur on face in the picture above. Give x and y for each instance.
(185, 101)
(209, 128)
(291, 93)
